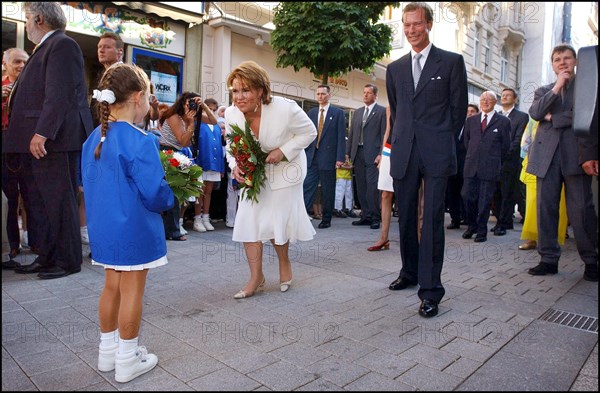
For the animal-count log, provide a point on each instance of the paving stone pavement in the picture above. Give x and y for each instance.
(337, 328)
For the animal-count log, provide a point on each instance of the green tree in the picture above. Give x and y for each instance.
(330, 38)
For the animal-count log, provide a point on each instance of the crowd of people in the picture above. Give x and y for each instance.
(74, 178)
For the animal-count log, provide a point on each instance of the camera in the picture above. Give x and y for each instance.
(192, 104)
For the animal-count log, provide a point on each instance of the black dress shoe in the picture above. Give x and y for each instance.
(480, 238)
(468, 234)
(542, 269)
(453, 225)
(324, 224)
(375, 225)
(500, 231)
(9, 265)
(428, 308)
(35, 267)
(401, 283)
(56, 272)
(362, 221)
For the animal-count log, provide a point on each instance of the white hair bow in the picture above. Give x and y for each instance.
(104, 96)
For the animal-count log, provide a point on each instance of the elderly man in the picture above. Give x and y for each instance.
(487, 139)
(13, 60)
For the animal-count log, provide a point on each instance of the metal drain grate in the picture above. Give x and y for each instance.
(572, 320)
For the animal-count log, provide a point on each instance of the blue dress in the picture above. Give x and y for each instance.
(125, 193)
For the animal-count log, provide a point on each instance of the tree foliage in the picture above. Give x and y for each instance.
(330, 38)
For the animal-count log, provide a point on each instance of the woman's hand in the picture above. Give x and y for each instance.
(191, 113)
(275, 156)
(238, 175)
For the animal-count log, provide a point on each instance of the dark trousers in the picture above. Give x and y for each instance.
(422, 260)
(478, 195)
(454, 201)
(367, 175)
(327, 179)
(171, 221)
(13, 184)
(509, 191)
(51, 191)
(580, 210)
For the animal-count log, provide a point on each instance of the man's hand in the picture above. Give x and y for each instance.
(590, 167)
(36, 146)
(338, 164)
(6, 89)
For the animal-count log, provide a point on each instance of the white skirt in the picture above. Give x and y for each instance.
(385, 182)
(211, 176)
(128, 268)
(279, 215)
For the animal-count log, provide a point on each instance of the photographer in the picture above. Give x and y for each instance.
(177, 129)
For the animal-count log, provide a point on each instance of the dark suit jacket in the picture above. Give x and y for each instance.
(486, 151)
(433, 114)
(56, 109)
(554, 134)
(333, 139)
(518, 122)
(372, 133)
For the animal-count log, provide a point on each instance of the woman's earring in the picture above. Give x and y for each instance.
(256, 108)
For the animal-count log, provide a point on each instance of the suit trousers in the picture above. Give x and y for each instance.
(367, 175)
(51, 190)
(327, 179)
(13, 184)
(422, 260)
(509, 193)
(580, 210)
(454, 201)
(478, 195)
(171, 220)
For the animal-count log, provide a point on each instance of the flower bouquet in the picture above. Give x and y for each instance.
(249, 158)
(184, 177)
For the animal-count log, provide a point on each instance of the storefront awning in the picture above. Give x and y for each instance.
(167, 10)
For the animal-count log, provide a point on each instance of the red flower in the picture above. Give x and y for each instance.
(174, 162)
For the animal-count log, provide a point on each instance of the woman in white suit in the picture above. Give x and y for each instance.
(283, 130)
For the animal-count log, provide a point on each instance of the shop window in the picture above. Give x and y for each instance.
(9, 35)
(165, 72)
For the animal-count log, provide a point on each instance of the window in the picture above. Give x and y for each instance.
(476, 48)
(487, 54)
(9, 35)
(504, 66)
(164, 71)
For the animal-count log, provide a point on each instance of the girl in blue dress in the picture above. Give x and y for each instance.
(125, 193)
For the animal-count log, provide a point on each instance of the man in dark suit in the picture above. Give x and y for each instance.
(487, 139)
(325, 153)
(554, 160)
(49, 121)
(427, 93)
(363, 148)
(454, 201)
(511, 167)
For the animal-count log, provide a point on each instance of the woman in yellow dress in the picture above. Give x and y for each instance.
(530, 230)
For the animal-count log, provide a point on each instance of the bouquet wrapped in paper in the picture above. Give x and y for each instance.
(182, 174)
(249, 158)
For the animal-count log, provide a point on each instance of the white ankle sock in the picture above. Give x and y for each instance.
(127, 346)
(109, 340)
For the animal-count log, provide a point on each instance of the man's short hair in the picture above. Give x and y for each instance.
(474, 107)
(9, 52)
(114, 36)
(511, 90)
(211, 101)
(560, 48)
(326, 87)
(373, 87)
(427, 11)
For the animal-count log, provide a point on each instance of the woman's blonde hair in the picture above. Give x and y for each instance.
(254, 76)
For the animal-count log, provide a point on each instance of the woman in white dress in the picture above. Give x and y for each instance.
(386, 184)
(284, 131)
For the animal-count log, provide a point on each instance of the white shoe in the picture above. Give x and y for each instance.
(181, 228)
(207, 224)
(106, 358)
(284, 286)
(242, 295)
(85, 239)
(198, 226)
(24, 240)
(134, 364)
